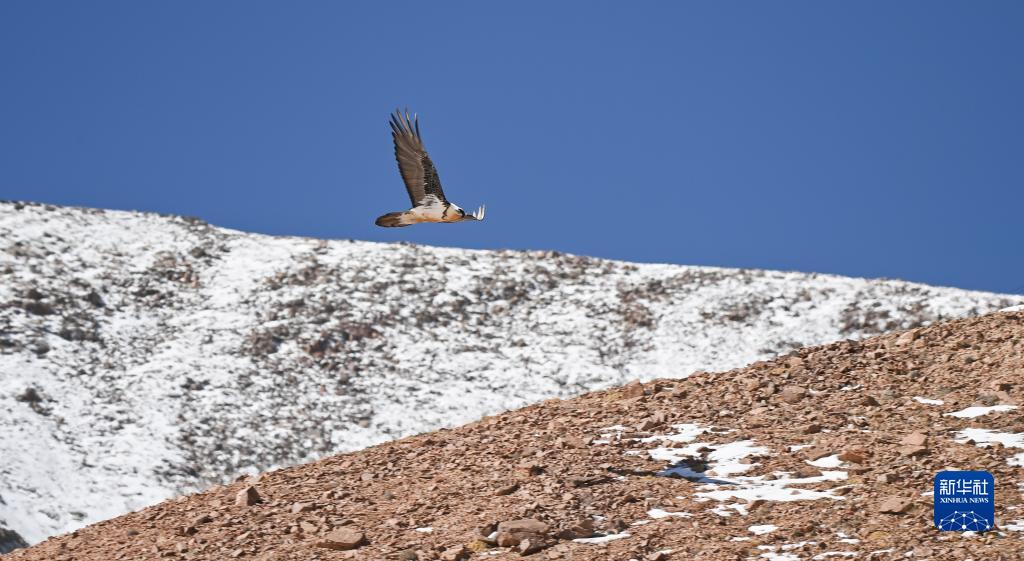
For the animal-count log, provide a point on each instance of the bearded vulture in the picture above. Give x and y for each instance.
(421, 181)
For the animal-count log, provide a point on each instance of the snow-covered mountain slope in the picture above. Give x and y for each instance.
(145, 355)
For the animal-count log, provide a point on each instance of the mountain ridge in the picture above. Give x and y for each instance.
(149, 355)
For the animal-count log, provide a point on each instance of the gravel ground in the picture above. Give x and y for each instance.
(826, 452)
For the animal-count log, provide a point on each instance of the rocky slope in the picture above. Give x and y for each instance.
(827, 452)
(143, 356)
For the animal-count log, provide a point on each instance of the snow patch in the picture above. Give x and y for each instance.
(832, 461)
(985, 437)
(726, 462)
(602, 539)
(657, 513)
(977, 411)
(761, 529)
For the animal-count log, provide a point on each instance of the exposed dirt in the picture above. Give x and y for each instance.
(563, 469)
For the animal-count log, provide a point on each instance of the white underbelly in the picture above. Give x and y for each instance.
(431, 213)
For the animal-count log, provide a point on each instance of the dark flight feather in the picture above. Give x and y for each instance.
(414, 164)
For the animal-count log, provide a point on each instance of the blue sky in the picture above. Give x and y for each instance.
(879, 139)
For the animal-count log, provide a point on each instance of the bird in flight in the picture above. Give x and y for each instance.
(421, 181)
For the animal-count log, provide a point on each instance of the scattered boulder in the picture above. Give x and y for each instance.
(807, 471)
(915, 439)
(302, 507)
(813, 428)
(341, 539)
(512, 532)
(456, 553)
(895, 505)
(854, 455)
(906, 339)
(407, 555)
(247, 496)
(584, 528)
(633, 389)
(886, 478)
(793, 394)
(30, 395)
(533, 544)
(506, 489)
(913, 451)
(816, 453)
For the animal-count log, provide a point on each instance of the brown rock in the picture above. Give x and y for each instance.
(407, 555)
(456, 553)
(575, 441)
(533, 544)
(584, 528)
(915, 439)
(1000, 385)
(301, 507)
(793, 394)
(647, 424)
(913, 451)
(1005, 398)
(507, 490)
(816, 453)
(511, 532)
(508, 539)
(808, 471)
(487, 529)
(633, 389)
(854, 455)
(341, 539)
(906, 339)
(878, 536)
(247, 497)
(531, 468)
(812, 428)
(895, 505)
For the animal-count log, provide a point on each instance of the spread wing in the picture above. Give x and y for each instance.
(417, 170)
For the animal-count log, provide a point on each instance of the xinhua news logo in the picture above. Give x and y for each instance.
(964, 501)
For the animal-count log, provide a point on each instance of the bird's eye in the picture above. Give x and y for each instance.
(462, 212)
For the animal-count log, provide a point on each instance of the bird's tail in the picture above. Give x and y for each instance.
(392, 220)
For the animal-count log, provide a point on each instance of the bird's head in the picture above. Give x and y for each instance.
(459, 215)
